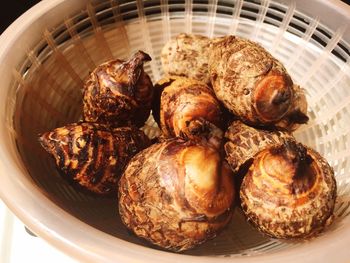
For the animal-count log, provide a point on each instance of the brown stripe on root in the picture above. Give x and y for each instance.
(93, 155)
(176, 194)
(189, 109)
(255, 86)
(119, 93)
(244, 142)
(289, 191)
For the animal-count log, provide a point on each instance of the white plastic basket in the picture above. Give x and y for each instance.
(48, 52)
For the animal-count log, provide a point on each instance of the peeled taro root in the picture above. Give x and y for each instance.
(176, 194)
(187, 108)
(187, 56)
(93, 156)
(289, 191)
(119, 93)
(244, 142)
(255, 86)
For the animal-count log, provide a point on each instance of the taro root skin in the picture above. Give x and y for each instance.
(244, 142)
(93, 156)
(289, 192)
(253, 85)
(187, 56)
(189, 109)
(119, 93)
(297, 115)
(176, 194)
(159, 87)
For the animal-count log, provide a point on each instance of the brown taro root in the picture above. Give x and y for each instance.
(297, 113)
(187, 56)
(93, 156)
(119, 93)
(176, 194)
(289, 191)
(188, 109)
(254, 85)
(244, 142)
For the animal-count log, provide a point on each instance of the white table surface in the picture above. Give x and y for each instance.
(17, 246)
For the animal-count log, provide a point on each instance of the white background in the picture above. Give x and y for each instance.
(17, 246)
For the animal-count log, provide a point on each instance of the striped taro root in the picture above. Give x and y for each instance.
(119, 93)
(176, 194)
(187, 108)
(244, 142)
(288, 189)
(255, 86)
(93, 156)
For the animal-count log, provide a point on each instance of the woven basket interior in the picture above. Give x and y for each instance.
(47, 91)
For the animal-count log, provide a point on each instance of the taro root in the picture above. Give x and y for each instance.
(93, 156)
(289, 191)
(119, 93)
(188, 109)
(244, 142)
(297, 115)
(255, 86)
(187, 56)
(176, 194)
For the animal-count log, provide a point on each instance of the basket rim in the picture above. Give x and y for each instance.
(78, 239)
